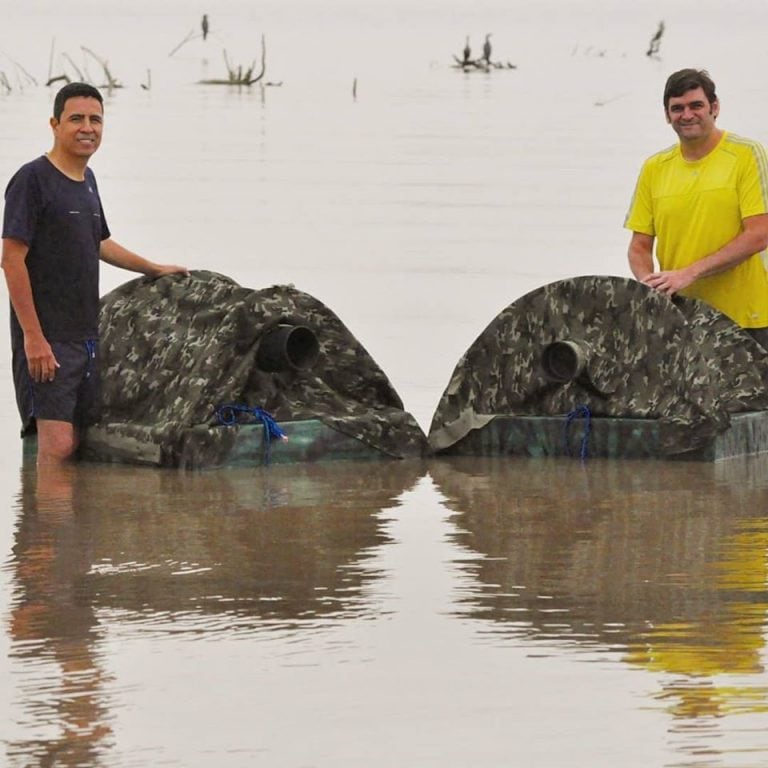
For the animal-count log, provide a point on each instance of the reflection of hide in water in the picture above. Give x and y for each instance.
(221, 551)
(288, 543)
(666, 561)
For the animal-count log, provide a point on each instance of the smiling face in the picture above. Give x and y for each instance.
(692, 116)
(77, 133)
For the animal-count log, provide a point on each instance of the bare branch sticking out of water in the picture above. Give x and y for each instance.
(50, 59)
(481, 65)
(236, 76)
(57, 79)
(23, 77)
(485, 63)
(20, 75)
(111, 81)
(190, 36)
(80, 76)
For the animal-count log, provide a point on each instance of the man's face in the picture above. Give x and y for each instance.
(691, 115)
(78, 131)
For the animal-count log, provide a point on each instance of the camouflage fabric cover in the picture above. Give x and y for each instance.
(175, 349)
(680, 362)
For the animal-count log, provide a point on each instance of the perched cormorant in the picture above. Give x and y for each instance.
(204, 25)
(653, 46)
(467, 51)
(487, 48)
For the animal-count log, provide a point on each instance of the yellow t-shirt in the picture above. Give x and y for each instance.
(695, 208)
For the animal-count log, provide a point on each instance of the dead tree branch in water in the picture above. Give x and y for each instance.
(57, 79)
(50, 59)
(51, 77)
(22, 76)
(236, 76)
(80, 76)
(480, 65)
(19, 74)
(484, 63)
(111, 81)
(191, 35)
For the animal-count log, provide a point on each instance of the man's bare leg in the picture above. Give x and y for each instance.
(56, 441)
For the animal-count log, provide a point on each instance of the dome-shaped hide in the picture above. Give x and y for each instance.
(195, 368)
(607, 360)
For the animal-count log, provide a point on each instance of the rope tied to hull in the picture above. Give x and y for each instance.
(233, 413)
(582, 411)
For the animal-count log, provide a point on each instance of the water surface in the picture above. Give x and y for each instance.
(450, 613)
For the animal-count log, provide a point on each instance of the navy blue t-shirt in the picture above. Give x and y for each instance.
(62, 222)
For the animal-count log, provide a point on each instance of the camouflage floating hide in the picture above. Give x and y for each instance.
(176, 349)
(629, 353)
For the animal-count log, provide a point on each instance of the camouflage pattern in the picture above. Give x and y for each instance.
(176, 348)
(680, 362)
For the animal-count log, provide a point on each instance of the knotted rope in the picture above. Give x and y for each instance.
(233, 413)
(580, 411)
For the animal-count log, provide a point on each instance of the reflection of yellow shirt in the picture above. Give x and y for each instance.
(694, 208)
(727, 639)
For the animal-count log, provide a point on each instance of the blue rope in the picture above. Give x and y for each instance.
(91, 346)
(581, 410)
(229, 415)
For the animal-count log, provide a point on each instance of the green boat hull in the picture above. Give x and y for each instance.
(308, 442)
(613, 438)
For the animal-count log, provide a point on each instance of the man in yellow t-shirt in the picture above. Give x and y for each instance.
(704, 202)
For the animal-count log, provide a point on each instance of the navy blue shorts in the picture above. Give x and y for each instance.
(74, 394)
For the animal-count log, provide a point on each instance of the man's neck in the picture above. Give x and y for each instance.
(73, 167)
(699, 148)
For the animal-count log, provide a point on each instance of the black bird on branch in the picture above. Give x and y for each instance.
(204, 25)
(653, 47)
(467, 52)
(487, 48)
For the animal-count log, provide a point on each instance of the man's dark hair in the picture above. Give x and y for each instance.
(685, 80)
(71, 90)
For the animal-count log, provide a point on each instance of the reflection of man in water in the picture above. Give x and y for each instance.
(704, 204)
(50, 622)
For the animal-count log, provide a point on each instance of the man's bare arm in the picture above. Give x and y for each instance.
(752, 239)
(115, 254)
(40, 358)
(641, 255)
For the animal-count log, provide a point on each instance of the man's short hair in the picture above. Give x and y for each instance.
(684, 80)
(71, 90)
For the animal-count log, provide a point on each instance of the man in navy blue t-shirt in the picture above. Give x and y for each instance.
(54, 236)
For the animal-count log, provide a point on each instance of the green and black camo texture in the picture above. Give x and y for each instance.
(175, 349)
(678, 361)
